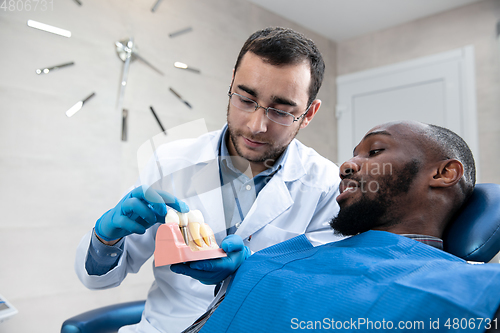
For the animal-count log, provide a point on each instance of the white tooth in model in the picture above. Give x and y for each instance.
(206, 232)
(183, 219)
(196, 219)
(201, 234)
(183, 223)
(172, 217)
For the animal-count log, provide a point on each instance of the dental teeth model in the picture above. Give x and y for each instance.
(196, 233)
(183, 224)
(184, 238)
(179, 219)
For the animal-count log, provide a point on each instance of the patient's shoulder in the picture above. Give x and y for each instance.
(296, 244)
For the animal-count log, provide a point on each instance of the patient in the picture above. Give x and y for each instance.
(405, 182)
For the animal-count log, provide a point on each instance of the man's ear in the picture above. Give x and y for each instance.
(311, 113)
(447, 174)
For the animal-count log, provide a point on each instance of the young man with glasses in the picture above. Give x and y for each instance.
(263, 185)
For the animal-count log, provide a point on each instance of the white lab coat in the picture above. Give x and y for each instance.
(299, 198)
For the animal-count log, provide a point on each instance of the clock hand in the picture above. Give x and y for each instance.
(124, 49)
(48, 69)
(158, 120)
(124, 124)
(127, 48)
(127, 51)
(155, 6)
(49, 28)
(179, 97)
(123, 82)
(180, 32)
(182, 65)
(134, 54)
(75, 108)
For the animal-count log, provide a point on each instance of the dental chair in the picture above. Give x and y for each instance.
(473, 236)
(106, 319)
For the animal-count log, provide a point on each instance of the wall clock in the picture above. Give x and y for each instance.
(127, 51)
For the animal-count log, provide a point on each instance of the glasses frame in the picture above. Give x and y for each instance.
(257, 106)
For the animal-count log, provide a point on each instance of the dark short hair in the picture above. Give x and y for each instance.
(282, 46)
(453, 146)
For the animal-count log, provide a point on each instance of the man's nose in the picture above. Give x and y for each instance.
(348, 168)
(257, 122)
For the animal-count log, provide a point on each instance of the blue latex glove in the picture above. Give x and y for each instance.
(136, 212)
(214, 271)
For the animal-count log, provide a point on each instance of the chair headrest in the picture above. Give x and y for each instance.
(475, 233)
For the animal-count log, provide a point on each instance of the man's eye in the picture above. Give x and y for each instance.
(246, 101)
(375, 152)
(279, 113)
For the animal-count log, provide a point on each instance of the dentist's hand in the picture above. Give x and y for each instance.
(137, 211)
(214, 271)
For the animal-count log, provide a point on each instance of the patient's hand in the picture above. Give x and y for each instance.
(214, 271)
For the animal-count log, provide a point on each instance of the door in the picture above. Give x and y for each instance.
(438, 90)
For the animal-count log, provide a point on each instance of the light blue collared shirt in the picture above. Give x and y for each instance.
(238, 190)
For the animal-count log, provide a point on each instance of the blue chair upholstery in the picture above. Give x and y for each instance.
(474, 235)
(107, 319)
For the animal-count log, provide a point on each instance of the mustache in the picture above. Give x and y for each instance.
(351, 178)
(252, 137)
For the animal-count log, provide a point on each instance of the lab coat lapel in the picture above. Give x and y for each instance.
(272, 200)
(208, 196)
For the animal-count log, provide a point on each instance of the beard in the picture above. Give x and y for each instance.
(270, 155)
(366, 214)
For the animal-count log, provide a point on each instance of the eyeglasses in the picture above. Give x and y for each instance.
(249, 105)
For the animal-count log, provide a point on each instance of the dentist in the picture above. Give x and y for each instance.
(252, 179)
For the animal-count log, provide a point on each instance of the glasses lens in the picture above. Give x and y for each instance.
(243, 103)
(280, 117)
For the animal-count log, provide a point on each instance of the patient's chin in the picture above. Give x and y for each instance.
(358, 217)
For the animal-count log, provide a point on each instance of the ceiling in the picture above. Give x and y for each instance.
(343, 19)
